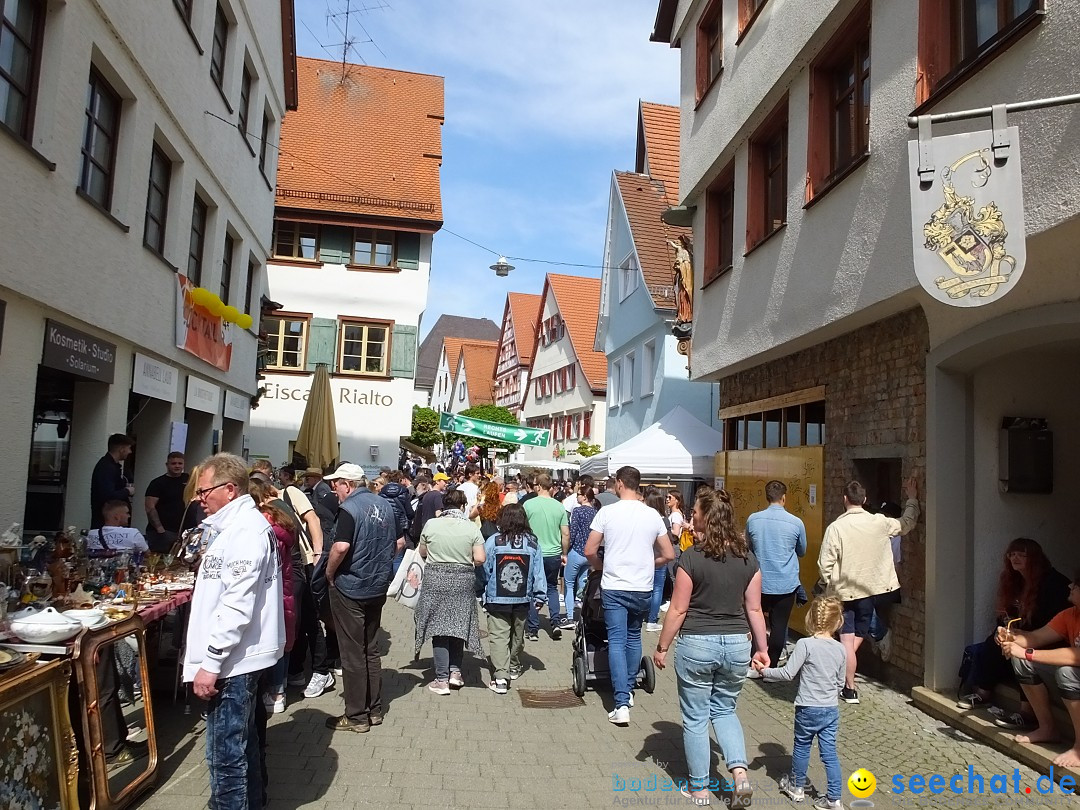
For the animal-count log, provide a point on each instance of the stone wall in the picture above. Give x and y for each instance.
(875, 407)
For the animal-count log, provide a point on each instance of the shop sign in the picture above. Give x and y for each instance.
(967, 215)
(78, 353)
(154, 379)
(237, 406)
(202, 396)
(200, 332)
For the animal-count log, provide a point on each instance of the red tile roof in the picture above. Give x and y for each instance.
(479, 360)
(579, 304)
(363, 140)
(452, 347)
(660, 128)
(524, 315)
(644, 201)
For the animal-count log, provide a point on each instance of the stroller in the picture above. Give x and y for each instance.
(590, 661)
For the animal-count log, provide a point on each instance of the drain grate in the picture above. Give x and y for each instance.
(549, 698)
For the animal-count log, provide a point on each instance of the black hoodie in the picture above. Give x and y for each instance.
(400, 503)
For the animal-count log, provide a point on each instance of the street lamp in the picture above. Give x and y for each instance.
(502, 267)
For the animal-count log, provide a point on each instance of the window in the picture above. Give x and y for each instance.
(628, 277)
(628, 377)
(791, 426)
(720, 225)
(286, 342)
(20, 51)
(226, 268)
(184, 7)
(364, 347)
(839, 127)
(296, 240)
(249, 287)
(615, 383)
(245, 103)
(956, 38)
(264, 138)
(767, 204)
(217, 54)
(461, 392)
(99, 140)
(373, 248)
(157, 200)
(586, 427)
(710, 47)
(648, 367)
(748, 12)
(197, 242)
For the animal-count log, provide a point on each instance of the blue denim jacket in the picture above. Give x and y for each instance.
(514, 571)
(778, 539)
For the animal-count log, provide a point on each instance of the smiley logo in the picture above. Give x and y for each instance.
(862, 783)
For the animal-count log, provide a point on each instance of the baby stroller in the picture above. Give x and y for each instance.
(590, 661)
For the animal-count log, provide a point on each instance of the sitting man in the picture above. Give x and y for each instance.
(1036, 657)
(115, 535)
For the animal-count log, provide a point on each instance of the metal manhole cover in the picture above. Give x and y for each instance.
(549, 698)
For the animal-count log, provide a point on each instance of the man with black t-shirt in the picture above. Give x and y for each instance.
(108, 482)
(164, 502)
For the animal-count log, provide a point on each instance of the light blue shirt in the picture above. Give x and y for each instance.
(778, 539)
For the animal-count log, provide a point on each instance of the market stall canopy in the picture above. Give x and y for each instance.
(317, 440)
(538, 465)
(417, 450)
(678, 444)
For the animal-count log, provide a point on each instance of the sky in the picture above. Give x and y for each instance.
(541, 106)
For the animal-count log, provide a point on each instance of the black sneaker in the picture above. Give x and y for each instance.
(532, 636)
(556, 633)
(849, 695)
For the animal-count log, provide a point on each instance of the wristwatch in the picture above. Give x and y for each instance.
(661, 649)
(1029, 653)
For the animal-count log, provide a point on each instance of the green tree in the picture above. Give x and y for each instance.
(489, 413)
(425, 427)
(584, 449)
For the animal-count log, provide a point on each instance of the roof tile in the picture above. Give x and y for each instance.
(644, 201)
(578, 298)
(524, 314)
(479, 360)
(660, 123)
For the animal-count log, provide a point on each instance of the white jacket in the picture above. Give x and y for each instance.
(237, 622)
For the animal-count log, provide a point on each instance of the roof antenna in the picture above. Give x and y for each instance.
(343, 15)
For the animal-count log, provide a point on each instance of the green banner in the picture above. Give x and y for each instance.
(482, 429)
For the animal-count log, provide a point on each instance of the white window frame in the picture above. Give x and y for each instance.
(629, 361)
(628, 276)
(345, 324)
(648, 367)
(273, 356)
(615, 384)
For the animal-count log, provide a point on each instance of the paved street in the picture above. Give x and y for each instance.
(477, 749)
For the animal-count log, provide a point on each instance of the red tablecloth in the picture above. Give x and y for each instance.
(152, 613)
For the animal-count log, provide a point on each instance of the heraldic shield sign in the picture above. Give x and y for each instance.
(968, 224)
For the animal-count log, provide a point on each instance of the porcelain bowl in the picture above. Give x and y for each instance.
(44, 626)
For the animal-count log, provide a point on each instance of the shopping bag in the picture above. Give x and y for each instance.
(405, 587)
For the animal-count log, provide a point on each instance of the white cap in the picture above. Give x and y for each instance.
(349, 472)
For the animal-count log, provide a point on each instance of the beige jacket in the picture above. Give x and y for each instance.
(856, 556)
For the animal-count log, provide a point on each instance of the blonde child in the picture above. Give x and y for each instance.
(819, 660)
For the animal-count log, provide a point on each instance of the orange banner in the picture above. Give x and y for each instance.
(199, 331)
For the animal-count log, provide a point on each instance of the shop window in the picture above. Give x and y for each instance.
(958, 38)
(709, 47)
(197, 241)
(20, 54)
(221, 43)
(720, 224)
(364, 347)
(373, 248)
(99, 140)
(286, 342)
(157, 200)
(839, 127)
(766, 208)
(296, 240)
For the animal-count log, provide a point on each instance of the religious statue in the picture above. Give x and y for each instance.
(683, 271)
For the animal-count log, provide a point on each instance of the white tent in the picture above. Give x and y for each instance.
(678, 444)
(538, 465)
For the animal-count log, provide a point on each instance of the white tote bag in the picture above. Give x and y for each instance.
(405, 587)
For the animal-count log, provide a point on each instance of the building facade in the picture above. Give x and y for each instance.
(351, 256)
(473, 384)
(826, 348)
(517, 342)
(431, 350)
(568, 378)
(141, 145)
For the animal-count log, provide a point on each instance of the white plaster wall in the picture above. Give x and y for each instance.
(1030, 383)
(442, 394)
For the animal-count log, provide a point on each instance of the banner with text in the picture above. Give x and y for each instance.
(466, 426)
(198, 331)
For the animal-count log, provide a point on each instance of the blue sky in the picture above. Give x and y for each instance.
(541, 106)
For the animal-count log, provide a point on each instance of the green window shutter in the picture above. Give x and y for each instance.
(408, 250)
(335, 245)
(322, 343)
(403, 351)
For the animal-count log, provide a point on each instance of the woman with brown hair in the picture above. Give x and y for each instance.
(487, 510)
(716, 613)
(1031, 591)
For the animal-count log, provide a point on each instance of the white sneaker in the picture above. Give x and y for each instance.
(653, 627)
(884, 647)
(753, 674)
(631, 704)
(620, 716)
(796, 794)
(274, 705)
(664, 607)
(318, 684)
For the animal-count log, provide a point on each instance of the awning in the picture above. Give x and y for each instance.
(417, 450)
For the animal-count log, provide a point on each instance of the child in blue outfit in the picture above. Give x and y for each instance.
(819, 660)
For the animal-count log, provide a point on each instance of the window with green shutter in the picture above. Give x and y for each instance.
(335, 245)
(322, 342)
(408, 246)
(403, 351)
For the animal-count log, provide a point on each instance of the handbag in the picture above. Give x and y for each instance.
(405, 587)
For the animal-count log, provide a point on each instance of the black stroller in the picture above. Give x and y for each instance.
(590, 662)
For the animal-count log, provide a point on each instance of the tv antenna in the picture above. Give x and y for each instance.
(344, 15)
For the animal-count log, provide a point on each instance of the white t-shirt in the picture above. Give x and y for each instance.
(630, 530)
(116, 538)
(570, 502)
(472, 494)
(676, 520)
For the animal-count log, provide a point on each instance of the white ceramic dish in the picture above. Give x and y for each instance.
(44, 626)
(91, 618)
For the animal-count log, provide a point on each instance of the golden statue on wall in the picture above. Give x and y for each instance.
(683, 276)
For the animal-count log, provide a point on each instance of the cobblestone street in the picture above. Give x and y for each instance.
(477, 749)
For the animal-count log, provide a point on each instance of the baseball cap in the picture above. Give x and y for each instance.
(350, 472)
(440, 477)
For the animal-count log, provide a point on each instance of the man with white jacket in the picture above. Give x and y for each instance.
(236, 629)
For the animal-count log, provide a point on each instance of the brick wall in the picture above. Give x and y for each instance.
(875, 406)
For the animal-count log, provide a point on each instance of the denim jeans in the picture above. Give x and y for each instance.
(276, 681)
(710, 672)
(577, 568)
(232, 744)
(821, 722)
(551, 571)
(658, 582)
(624, 611)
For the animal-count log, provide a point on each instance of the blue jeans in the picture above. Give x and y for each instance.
(232, 744)
(277, 675)
(711, 671)
(658, 582)
(624, 611)
(822, 722)
(551, 571)
(577, 568)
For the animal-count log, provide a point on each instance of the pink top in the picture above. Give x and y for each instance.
(285, 542)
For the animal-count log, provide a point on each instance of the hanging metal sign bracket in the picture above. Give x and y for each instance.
(1000, 144)
(926, 150)
(982, 112)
